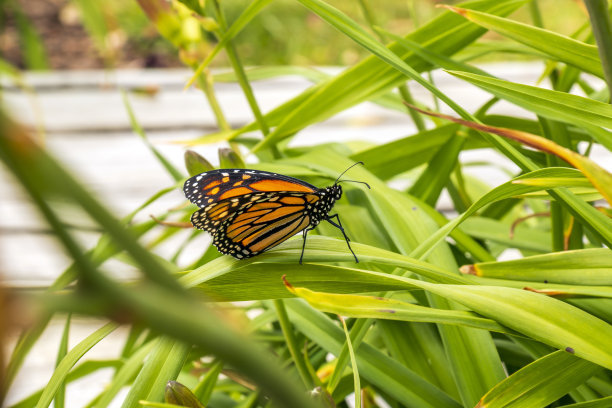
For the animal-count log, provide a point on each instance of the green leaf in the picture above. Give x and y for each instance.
(540, 317)
(163, 365)
(592, 217)
(125, 374)
(393, 158)
(245, 17)
(371, 78)
(598, 176)
(357, 382)
(432, 57)
(205, 387)
(598, 403)
(541, 382)
(524, 237)
(73, 356)
(61, 353)
(431, 182)
(376, 367)
(174, 173)
(556, 46)
(34, 54)
(572, 109)
(392, 309)
(579, 267)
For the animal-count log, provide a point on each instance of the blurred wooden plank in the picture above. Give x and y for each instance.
(91, 101)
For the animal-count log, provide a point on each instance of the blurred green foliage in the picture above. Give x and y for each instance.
(422, 330)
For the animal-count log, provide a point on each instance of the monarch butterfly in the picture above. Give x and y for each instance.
(249, 211)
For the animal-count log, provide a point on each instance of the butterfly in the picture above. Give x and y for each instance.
(248, 212)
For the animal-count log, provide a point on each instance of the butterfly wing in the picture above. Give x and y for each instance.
(264, 223)
(218, 185)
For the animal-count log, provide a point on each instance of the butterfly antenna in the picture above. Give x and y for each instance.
(355, 181)
(350, 167)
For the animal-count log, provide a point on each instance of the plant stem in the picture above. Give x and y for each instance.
(602, 30)
(287, 328)
(536, 15)
(242, 78)
(403, 89)
(206, 84)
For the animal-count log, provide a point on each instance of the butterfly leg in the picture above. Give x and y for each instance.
(304, 242)
(339, 226)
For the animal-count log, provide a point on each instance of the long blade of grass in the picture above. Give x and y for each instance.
(539, 317)
(174, 173)
(594, 218)
(430, 183)
(125, 374)
(432, 57)
(446, 35)
(60, 395)
(179, 316)
(245, 17)
(393, 158)
(580, 267)
(598, 403)
(376, 367)
(568, 108)
(556, 46)
(73, 356)
(541, 382)
(599, 177)
(602, 30)
(391, 309)
(343, 23)
(357, 381)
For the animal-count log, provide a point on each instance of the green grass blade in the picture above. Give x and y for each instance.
(579, 267)
(393, 158)
(34, 53)
(125, 374)
(24, 344)
(343, 23)
(541, 382)
(433, 58)
(598, 403)
(556, 46)
(602, 30)
(163, 365)
(524, 237)
(572, 109)
(357, 381)
(60, 396)
(245, 17)
(391, 309)
(377, 368)
(174, 173)
(205, 387)
(73, 356)
(371, 78)
(504, 191)
(431, 182)
(540, 317)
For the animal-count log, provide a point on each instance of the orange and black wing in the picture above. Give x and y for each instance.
(264, 223)
(222, 193)
(217, 185)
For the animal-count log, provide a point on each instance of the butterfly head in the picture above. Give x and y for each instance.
(335, 191)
